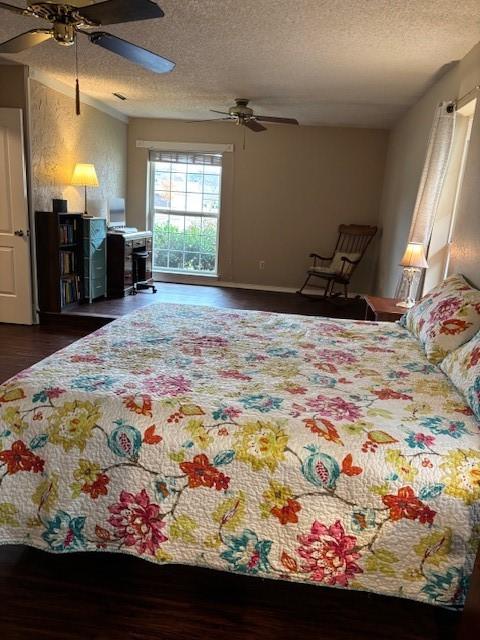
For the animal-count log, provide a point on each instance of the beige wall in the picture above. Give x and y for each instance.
(406, 155)
(14, 88)
(14, 94)
(283, 196)
(59, 139)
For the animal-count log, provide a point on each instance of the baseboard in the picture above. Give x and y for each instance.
(310, 291)
(256, 287)
(213, 281)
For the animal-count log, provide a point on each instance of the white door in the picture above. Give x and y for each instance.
(15, 272)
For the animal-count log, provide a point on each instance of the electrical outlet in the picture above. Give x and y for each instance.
(261, 264)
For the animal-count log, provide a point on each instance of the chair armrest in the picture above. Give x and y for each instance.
(316, 255)
(347, 271)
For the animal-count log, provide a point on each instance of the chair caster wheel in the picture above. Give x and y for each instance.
(154, 290)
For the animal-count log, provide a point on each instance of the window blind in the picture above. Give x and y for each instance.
(186, 157)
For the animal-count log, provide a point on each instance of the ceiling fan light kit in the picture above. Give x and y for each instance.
(78, 17)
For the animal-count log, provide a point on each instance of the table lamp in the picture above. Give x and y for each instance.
(412, 262)
(84, 175)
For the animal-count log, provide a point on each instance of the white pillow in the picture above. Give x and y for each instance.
(338, 264)
(444, 319)
(462, 366)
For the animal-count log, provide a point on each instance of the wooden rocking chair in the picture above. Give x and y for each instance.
(353, 240)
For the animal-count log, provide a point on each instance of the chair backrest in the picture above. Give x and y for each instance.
(354, 238)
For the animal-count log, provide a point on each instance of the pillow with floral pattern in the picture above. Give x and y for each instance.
(447, 317)
(462, 366)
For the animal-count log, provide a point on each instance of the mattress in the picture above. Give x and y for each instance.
(329, 452)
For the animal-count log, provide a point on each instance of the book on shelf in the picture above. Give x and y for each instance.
(67, 231)
(67, 262)
(69, 290)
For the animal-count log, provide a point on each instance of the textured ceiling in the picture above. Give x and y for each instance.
(321, 61)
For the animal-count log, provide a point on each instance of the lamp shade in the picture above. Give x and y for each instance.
(84, 175)
(414, 256)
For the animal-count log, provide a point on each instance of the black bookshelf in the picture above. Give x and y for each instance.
(59, 244)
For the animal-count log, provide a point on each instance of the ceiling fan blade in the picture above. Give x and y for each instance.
(277, 120)
(224, 113)
(132, 52)
(11, 7)
(208, 120)
(79, 3)
(25, 41)
(116, 11)
(253, 125)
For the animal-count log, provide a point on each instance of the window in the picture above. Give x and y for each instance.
(185, 190)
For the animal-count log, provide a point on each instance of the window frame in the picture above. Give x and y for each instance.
(152, 210)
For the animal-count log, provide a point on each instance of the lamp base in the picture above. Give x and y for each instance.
(409, 301)
(406, 304)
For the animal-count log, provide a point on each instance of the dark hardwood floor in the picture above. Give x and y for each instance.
(227, 297)
(100, 596)
(23, 346)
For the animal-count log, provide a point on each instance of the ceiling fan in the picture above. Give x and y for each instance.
(243, 115)
(79, 16)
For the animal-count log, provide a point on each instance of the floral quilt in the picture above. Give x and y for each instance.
(324, 451)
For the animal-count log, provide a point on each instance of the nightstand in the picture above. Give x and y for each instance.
(382, 309)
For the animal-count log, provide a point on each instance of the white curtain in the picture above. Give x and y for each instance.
(433, 175)
(431, 185)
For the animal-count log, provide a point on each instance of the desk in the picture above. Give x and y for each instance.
(120, 249)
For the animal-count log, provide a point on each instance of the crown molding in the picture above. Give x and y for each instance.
(57, 85)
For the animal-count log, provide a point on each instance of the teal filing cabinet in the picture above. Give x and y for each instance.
(94, 258)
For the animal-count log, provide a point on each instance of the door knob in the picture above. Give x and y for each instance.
(19, 232)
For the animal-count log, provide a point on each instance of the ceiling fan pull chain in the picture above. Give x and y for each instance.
(77, 85)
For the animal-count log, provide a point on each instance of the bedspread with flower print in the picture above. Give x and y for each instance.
(329, 452)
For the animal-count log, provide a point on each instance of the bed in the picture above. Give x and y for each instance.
(324, 451)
